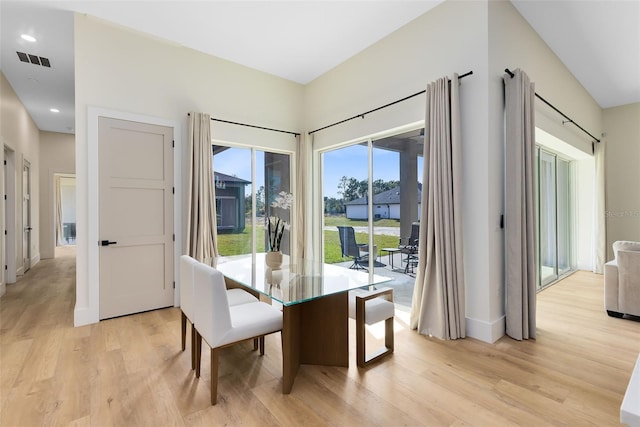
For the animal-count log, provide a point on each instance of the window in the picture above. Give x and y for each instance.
(244, 194)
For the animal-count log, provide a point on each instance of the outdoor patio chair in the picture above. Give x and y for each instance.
(409, 247)
(358, 252)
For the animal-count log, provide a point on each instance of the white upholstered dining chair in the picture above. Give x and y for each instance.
(222, 325)
(188, 297)
(369, 308)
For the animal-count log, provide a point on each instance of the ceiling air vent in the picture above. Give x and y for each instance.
(34, 59)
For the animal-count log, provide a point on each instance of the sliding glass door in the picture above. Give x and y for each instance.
(372, 191)
(554, 217)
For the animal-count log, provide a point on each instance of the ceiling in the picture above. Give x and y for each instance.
(598, 41)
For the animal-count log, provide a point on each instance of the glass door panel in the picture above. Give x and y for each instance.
(563, 217)
(547, 215)
(345, 185)
(397, 192)
(233, 187)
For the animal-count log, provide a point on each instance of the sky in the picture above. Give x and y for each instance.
(348, 161)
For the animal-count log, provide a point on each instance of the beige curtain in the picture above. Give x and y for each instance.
(438, 306)
(520, 220)
(58, 195)
(302, 223)
(601, 225)
(201, 222)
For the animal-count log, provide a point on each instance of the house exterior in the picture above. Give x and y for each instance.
(386, 205)
(230, 202)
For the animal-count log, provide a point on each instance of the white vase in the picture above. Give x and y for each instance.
(273, 259)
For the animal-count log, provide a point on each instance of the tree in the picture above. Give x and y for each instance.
(333, 206)
(259, 202)
(349, 189)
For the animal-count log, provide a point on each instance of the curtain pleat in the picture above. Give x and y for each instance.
(438, 305)
(201, 221)
(520, 246)
(601, 226)
(302, 224)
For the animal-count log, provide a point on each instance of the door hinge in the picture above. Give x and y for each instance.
(5, 162)
(174, 284)
(5, 232)
(6, 268)
(173, 143)
(174, 237)
(173, 190)
(5, 197)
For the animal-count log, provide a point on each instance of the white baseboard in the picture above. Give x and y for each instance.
(20, 271)
(84, 316)
(34, 260)
(489, 332)
(3, 288)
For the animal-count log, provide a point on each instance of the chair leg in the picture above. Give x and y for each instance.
(214, 375)
(198, 346)
(193, 347)
(388, 334)
(255, 344)
(360, 334)
(261, 340)
(183, 325)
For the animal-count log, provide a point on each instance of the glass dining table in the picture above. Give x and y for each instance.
(315, 306)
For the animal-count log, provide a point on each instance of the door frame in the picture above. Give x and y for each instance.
(26, 190)
(91, 313)
(9, 213)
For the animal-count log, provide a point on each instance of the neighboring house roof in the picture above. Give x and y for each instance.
(389, 197)
(228, 178)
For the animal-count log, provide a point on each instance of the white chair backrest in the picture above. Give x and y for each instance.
(187, 269)
(212, 315)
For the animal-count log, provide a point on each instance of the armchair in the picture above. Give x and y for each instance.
(622, 280)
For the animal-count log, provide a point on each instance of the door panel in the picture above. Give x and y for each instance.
(135, 212)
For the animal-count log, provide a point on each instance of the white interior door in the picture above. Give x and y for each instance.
(135, 216)
(26, 215)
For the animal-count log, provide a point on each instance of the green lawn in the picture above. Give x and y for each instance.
(332, 253)
(240, 243)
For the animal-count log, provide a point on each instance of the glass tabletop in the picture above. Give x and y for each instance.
(296, 281)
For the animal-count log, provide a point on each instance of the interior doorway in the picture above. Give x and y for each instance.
(65, 209)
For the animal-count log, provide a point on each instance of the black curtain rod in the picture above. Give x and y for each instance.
(252, 126)
(569, 119)
(380, 108)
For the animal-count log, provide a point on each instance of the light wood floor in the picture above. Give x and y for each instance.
(130, 371)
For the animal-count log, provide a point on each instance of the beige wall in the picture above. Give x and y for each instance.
(622, 171)
(57, 156)
(20, 135)
(124, 71)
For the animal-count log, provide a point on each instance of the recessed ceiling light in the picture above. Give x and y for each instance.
(54, 110)
(28, 38)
